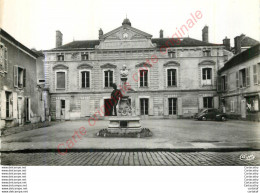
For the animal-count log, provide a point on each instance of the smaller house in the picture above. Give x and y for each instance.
(239, 85)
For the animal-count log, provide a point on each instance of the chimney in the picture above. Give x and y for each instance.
(205, 34)
(161, 33)
(100, 33)
(58, 39)
(226, 43)
(237, 42)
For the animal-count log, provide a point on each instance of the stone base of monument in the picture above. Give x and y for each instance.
(124, 127)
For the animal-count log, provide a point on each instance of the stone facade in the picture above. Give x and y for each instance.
(20, 97)
(239, 85)
(190, 62)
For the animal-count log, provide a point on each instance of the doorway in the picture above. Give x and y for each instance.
(108, 107)
(62, 112)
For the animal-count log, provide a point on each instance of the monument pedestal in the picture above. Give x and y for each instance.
(124, 124)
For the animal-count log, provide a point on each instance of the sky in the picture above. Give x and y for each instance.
(34, 22)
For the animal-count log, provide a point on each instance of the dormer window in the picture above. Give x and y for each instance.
(84, 56)
(206, 53)
(60, 57)
(172, 54)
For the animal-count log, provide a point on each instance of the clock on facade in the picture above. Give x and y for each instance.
(125, 35)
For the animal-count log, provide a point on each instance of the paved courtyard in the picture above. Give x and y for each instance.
(167, 134)
(131, 158)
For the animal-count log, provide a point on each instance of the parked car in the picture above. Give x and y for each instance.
(211, 114)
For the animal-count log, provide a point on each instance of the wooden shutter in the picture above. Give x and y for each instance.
(166, 106)
(85, 107)
(226, 82)
(248, 76)
(179, 101)
(137, 106)
(237, 79)
(150, 106)
(24, 77)
(216, 102)
(200, 102)
(15, 76)
(255, 74)
(67, 109)
(3, 105)
(58, 108)
(1, 58)
(25, 108)
(258, 70)
(219, 84)
(6, 60)
(15, 105)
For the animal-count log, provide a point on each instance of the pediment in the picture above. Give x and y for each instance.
(143, 64)
(84, 66)
(126, 33)
(171, 63)
(108, 65)
(207, 62)
(60, 66)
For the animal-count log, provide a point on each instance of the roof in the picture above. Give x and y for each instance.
(10, 38)
(247, 41)
(185, 42)
(242, 57)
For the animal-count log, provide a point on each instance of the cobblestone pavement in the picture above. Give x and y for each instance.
(130, 158)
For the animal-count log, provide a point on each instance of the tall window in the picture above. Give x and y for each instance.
(171, 54)
(242, 78)
(224, 83)
(206, 53)
(171, 77)
(8, 104)
(208, 102)
(61, 80)
(143, 78)
(60, 57)
(108, 78)
(144, 106)
(206, 76)
(19, 77)
(84, 56)
(172, 106)
(85, 79)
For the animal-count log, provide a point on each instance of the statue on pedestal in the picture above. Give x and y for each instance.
(116, 95)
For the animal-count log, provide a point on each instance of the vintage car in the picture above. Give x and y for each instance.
(211, 114)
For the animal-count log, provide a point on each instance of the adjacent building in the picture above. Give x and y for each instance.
(170, 77)
(20, 96)
(239, 84)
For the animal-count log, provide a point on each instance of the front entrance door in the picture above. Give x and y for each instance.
(108, 107)
(62, 112)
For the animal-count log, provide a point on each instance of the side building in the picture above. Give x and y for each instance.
(179, 81)
(239, 85)
(19, 94)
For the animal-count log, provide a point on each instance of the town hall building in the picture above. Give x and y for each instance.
(169, 77)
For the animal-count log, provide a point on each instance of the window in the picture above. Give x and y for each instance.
(85, 79)
(19, 77)
(60, 57)
(232, 106)
(108, 78)
(224, 83)
(206, 53)
(84, 56)
(242, 78)
(61, 80)
(41, 81)
(144, 106)
(62, 104)
(171, 77)
(208, 102)
(172, 106)
(143, 78)
(171, 54)
(8, 104)
(252, 103)
(206, 76)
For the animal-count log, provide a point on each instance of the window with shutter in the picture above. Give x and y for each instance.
(61, 80)
(1, 57)
(15, 76)
(237, 79)
(206, 76)
(5, 60)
